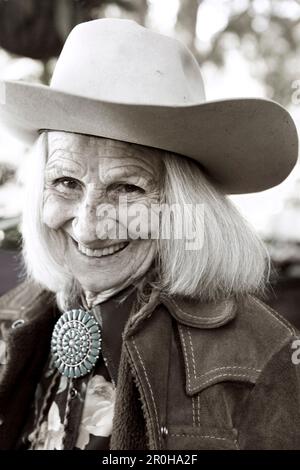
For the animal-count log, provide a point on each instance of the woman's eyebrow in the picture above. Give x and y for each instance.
(126, 171)
(65, 163)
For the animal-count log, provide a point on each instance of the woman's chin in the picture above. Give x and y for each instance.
(97, 287)
(99, 274)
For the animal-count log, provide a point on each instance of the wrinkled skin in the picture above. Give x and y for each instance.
(83, 172)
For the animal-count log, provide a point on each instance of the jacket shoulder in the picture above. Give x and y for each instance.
(23, 300)
(270, 417)
(236, 349)
(262, 321)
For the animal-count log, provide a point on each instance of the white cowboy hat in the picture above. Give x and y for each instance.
(119, 80)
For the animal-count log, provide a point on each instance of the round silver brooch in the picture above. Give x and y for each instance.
(76, 343)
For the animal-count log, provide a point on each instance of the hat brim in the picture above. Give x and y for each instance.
(245, 145)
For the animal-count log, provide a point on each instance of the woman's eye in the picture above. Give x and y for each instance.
(67, 184)
(126, 188)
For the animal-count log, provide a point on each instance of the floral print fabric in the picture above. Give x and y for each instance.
(89, 427)
(98, 411)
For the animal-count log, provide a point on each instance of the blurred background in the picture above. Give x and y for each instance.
(245, 48)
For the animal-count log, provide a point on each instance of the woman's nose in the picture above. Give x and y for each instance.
(84, 224)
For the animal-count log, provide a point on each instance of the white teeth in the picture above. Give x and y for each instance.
(103, 252)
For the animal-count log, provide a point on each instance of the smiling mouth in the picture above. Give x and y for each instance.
(99, 253)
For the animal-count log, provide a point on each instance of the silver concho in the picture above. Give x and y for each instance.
(76, 343)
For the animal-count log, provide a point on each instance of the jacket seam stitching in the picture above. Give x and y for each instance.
(287, 327)
(230, 367)
(165, 415)
(205, 320)
(235, 375)
(217, 368)
(218, 377)
(188, 371)
(151, 391)
(192, 351)
(185, 355)
(193, 410)
(205, 437)
(199, 408)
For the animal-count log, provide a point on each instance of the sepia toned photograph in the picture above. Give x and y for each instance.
(149, 227)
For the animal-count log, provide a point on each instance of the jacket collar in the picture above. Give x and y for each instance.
(204, 329)
(214, 339)
(219, 340)
(18, 303)
(200, 314)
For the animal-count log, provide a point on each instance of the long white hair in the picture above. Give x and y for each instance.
(232, 260)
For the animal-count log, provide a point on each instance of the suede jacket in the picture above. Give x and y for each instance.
(191, 375)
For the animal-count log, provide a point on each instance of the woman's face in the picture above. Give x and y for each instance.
(90, 183)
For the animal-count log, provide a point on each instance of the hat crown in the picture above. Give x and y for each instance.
(120, 61)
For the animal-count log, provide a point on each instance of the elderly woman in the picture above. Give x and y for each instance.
(154, 338)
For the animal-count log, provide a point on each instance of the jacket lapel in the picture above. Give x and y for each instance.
(148, 353)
